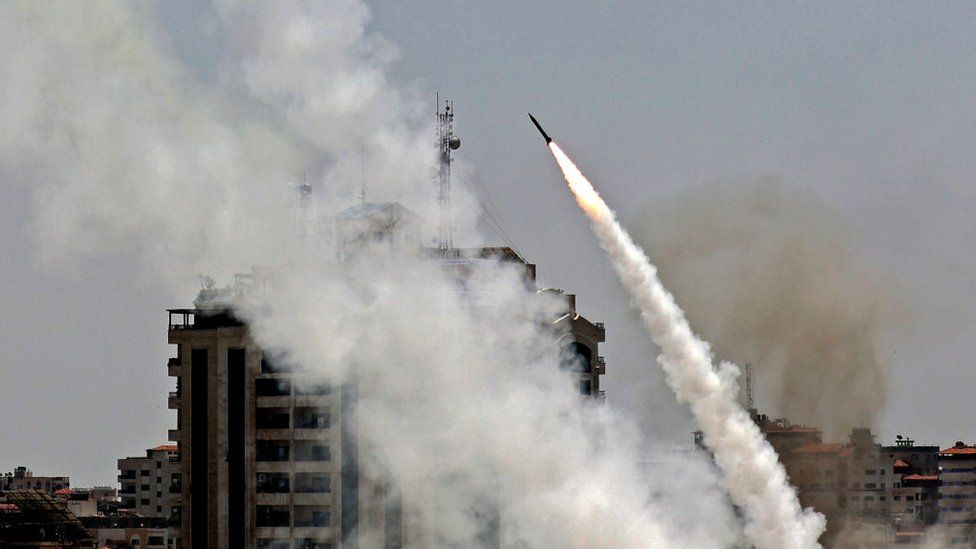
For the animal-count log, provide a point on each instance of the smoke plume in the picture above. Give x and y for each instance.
(754, 477)
(770, 277)
(462, 408)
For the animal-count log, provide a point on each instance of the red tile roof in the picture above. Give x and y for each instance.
(818, 448)
(920, 477)
(165, 448)
(958, 450)
(900, 463)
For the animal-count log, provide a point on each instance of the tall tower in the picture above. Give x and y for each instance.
(447, 142)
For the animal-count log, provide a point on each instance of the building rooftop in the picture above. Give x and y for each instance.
(818, 448)
(165, 448)
(959, 449)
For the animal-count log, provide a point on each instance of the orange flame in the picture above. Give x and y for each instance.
(586, 196)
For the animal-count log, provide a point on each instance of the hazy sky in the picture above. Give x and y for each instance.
(868, 107)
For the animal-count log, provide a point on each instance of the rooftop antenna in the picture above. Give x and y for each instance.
(447, 142)
(750, 405)
(303, 212)
(362, 160)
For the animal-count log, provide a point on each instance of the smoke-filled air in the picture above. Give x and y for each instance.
(772, 277)
(753, 476)
(462, 405)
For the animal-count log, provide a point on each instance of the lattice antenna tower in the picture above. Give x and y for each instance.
(446, 142)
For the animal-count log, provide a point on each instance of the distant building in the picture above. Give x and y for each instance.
(150, 484)
(22, 478)
(957, 494)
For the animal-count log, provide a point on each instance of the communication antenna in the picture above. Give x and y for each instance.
(749, 402)
(446, 142)
(304, 215)
(362, 160)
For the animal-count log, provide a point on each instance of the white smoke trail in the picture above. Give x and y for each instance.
(755, 479)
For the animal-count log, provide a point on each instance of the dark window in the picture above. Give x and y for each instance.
(307, 515)
(312, 450)
(272, 418)
(144, 501)
(312, 483)
(272, 450)
(144, 487)
(586, 387)
(144, 473)
(576, 357)
(265, 543)
(272, 387)
(311, 418)
(156, 540)
(272, 516)
(273, 483)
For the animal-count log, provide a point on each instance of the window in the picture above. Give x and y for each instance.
(273, 516)
(308, 515)
(272, 418)
(144, 487)
(272, 387)
(144, 473)
(312, 450)
(273, 483)
(586, 387)
(159, 509)
(576, 357)
(273, 544)
(311, 418)
(272, 450)
(144, 501)
(312, 483)
(870, 471)
(156, 540)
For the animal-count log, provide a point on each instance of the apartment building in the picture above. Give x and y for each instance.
(957, 494)
(21, 478)
(150, 484)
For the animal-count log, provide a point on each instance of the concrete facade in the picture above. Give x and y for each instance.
(150, 484)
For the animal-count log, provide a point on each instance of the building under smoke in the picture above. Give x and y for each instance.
(268, 454)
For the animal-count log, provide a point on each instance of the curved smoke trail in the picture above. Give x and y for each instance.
(753, 476)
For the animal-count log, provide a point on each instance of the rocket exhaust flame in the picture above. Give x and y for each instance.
(753, 476)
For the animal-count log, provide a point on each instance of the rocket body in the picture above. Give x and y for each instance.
(542, 131)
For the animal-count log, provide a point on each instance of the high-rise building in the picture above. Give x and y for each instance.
(269, 457)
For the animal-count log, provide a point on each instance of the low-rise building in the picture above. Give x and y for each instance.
(150, 484)
(957, 494)
(21, 478)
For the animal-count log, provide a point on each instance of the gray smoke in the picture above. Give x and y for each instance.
(462, 404)
(772, 277)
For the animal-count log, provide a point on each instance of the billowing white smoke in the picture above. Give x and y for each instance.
(755, 479)
(464, 406)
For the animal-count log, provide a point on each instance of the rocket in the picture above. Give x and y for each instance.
(542, 131)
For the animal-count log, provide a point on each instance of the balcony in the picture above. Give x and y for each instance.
(127, 475)
(174, 400)
(173, 367)
(175, 435)
(600, 365)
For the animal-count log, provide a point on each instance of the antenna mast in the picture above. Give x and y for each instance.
(447, 142)
(750, 405)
